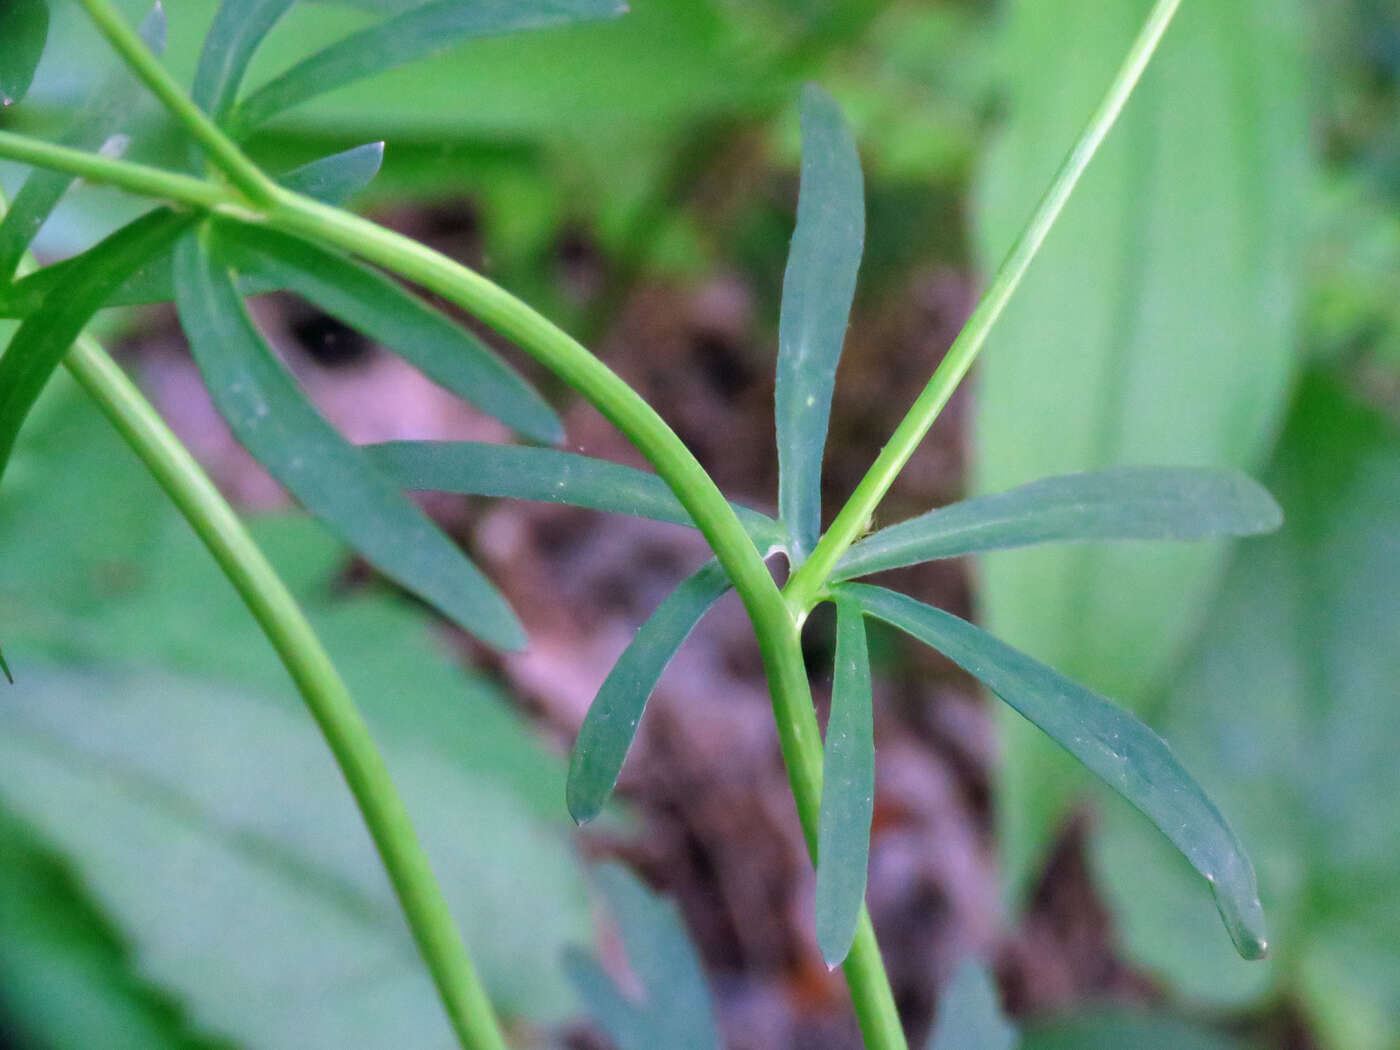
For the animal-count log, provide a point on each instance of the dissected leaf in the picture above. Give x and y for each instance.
(24, 29)
(611, 723)
(41, 343)
(94, 123)
(1111, 743)
(389, 314)
(273, 420)
(413, 34)
(675, 1010)
(969, 1014)
(547, 475)
(818, 288)
(239, 27)
(848, 790)
(1157, 326)
(1122, 503)
(1286, 706)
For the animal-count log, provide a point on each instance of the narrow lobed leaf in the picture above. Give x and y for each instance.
(818, 288)
(389, 314)
(848, 790)
(272, 419)
(548, 476)
(611, 723)
(24, 29)
(238, 28)
(414, 34)
(1114, 745)
(1123, 503)
(43, 340)
(95, 122)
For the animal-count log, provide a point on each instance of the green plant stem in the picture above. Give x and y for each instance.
(311, 669)
(804, 588)
(223, 152)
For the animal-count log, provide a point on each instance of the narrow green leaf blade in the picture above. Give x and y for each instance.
(239, 27)
(24, 29)
(273, 420)
(337, 178)
(388, 313)
(414, 34)
(42, 341)
(548, 476)
(969, 1013)
(1122, 503)
(1124, 753)
(611, 723)
(95, 122)
(818, 287)
(675, 1011)
(848, 790)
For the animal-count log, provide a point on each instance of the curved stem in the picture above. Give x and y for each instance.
(806, 583)
(222, 150)
(326, 696)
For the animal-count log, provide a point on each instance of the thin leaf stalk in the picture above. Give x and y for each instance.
(804, 588)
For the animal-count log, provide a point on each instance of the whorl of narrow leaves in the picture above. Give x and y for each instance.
(24, 29)
(818, 287)
(848, 790)
(1115, 746)
(273, 420)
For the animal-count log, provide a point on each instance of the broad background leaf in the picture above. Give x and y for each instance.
(1287, 710)
(969, 1013)
(1157, 326)
(247, 780)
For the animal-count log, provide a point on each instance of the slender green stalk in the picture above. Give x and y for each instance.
(805, 585)
(135, 178)
(315, 676)
(223, 151)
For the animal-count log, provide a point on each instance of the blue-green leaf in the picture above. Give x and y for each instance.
(414, 34)
(675, 1010)
(337, 178)
(611, 722)
(1111, 743)
(273, 420)
(969, 1013)
(388, 313)
(45, 337)
(24, 29)
(95, 122)
(848, 790)
(818, 287)
(549, 476)
(1122, 503)
(239, 27)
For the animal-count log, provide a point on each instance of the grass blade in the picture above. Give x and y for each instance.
(848, 790)
(818, 288)
(414, 34)
(337, 178)
(42, 341)
(388, 313)
(96, 121)
(1123, 503)
(273, 420)
(548, 476)
(611, 722)
(1114, 745)
(239, 27)
(24, 28)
